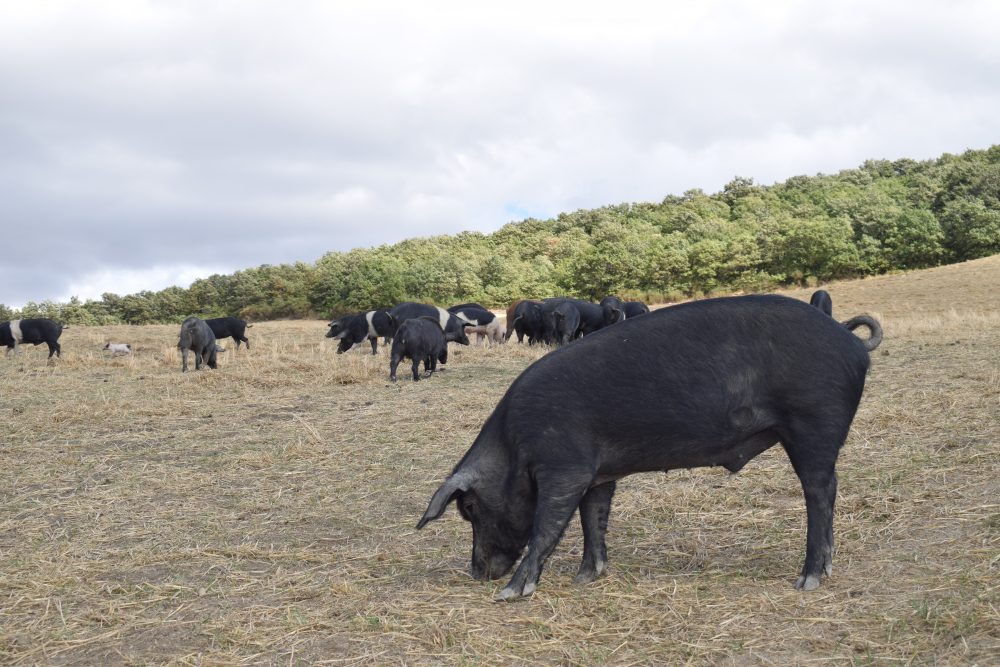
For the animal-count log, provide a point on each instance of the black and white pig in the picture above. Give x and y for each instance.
(707, 383)
(352, 330)
(31, 332)
(452, 325)
(486, 324)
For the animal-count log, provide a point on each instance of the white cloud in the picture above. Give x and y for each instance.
(138, 134)
(121, 282)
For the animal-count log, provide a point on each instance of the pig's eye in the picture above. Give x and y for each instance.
(467, 508)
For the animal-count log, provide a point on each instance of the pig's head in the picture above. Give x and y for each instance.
(337, 329)
(501, 519)
(612, 314)
(455, 332)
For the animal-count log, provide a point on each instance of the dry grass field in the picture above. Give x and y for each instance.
(264, 512)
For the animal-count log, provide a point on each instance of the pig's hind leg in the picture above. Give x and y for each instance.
(813, 451)
(594, 510)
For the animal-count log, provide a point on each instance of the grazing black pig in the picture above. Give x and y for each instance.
(613, 310)
(525, 319)
(31, 332)
(594, 317)
(420, 339)
(589, 317)
(197, 337)
(821, 299)
(706, 383)
(565, 323)
(547, 311)
(224, 327)
(635, 309)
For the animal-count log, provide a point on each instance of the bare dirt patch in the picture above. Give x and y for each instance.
(264, 512)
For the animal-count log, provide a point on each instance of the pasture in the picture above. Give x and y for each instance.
(264, 512)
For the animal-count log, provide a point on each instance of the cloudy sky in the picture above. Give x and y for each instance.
(144, 144)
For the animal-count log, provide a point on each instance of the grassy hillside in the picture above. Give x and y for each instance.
(265, 512)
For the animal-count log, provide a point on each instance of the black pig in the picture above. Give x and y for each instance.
(224, 327)
(197, 337)
(710, 383)
(420, 339)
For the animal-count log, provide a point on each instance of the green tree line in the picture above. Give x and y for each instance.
(883, 216)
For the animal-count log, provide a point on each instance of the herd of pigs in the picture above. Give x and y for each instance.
(713, 382)
(421, 332)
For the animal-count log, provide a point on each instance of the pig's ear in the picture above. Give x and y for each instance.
(457, 483)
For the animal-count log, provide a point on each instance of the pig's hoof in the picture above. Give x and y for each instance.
(589, 574)
(508, 594)
(809, 583)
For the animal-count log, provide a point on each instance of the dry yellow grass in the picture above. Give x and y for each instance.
(264, 512)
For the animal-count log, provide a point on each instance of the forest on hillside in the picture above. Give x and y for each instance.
(882, 216)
